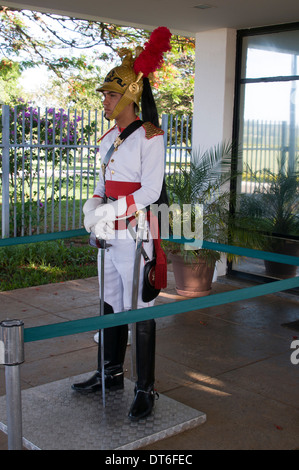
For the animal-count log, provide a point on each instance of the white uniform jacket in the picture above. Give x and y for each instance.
(136, 169)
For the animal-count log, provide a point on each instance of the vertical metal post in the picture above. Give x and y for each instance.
(5, 171)
(102, 307)
(164, 127)
(292, 131)
(12, 355)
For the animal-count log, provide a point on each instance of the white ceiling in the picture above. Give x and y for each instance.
(180, 16)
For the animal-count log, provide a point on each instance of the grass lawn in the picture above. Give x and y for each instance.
(48, 262)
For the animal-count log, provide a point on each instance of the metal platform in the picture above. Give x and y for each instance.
(57, 418)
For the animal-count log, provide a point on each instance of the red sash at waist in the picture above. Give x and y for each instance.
(116, 189)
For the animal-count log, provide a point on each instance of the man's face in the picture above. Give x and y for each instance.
(110, 100)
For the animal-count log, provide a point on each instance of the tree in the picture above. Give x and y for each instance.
(9, 76)
(54, 41)
(175, 82)
(77, 91)
(35, 38)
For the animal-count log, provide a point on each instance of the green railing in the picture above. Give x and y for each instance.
(133, 316)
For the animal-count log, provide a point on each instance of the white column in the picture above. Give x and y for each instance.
(214, 94)
(214, 87)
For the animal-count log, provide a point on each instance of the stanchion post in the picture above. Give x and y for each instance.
(12, 355)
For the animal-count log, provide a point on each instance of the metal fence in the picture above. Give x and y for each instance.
(263, 144)
(49, 165)
(49, 162)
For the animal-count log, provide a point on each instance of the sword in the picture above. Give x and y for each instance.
(135, 287)
(101, 244)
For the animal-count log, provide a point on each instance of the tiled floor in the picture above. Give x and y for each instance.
(232, 362)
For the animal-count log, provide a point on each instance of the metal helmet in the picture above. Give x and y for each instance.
(127, 78)
(123, 79)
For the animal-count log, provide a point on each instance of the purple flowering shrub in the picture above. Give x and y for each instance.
(45, 149)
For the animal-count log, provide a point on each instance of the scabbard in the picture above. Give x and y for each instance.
(135, 287)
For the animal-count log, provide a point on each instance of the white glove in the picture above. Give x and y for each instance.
(106, 214)
(104, 230)
(112, 211)
(89, 209)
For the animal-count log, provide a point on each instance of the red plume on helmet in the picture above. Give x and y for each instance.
(151, 58)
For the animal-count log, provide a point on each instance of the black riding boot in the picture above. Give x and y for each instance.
(145, 364)
(115, 344)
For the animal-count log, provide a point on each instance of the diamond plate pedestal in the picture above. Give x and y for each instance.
(57, 418)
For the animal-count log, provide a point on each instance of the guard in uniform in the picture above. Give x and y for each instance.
(131, 180)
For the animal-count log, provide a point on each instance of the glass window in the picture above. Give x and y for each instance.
(274, 101)
(268, 140)
(271, 55)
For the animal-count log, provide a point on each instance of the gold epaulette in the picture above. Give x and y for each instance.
(151, 130)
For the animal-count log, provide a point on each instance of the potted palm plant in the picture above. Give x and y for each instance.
(273, 208)
(204, 183)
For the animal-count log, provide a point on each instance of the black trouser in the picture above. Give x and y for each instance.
(115, 344)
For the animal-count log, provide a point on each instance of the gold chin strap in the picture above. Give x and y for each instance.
(129, 96)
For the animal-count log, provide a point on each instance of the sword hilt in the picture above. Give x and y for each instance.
(141, 219)
(101, 244)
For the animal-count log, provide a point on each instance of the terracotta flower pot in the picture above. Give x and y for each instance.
(192, 279)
